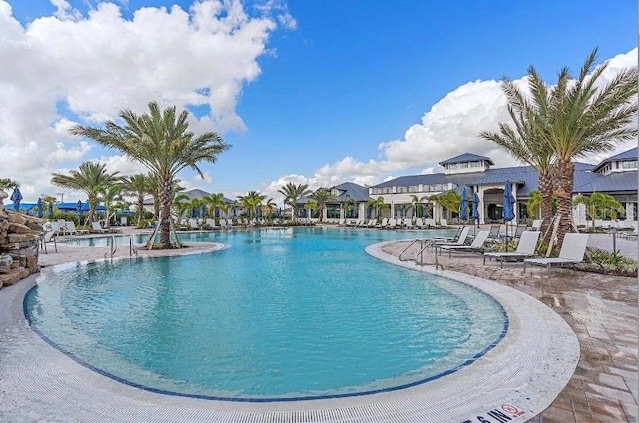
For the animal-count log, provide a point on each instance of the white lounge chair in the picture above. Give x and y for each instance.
(383, 224)
(49, 237)
(477, 245)
(430, 223)
(572, 251)
(536, 225)
(96, 228)
(461, 236)
(526, 248)
(407, 223)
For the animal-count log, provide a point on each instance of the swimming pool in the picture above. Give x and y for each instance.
(282, 314)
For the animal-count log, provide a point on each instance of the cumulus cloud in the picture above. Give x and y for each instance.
(95, 64)
(450, 128)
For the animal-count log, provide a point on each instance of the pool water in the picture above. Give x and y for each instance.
(283, 314)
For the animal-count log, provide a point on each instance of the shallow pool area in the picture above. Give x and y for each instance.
(281, 315)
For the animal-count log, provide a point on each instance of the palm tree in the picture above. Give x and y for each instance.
(322, 197)
(138, 186)
(91, 178)
(110, 194)
(213, 202)
(378, 205)
(524, 142)
(270, 205)
(415, 200)
(580, 119)
(599, 205)
(449, 200)
(292, 194)
(251, 202)
(162, 142)
(349, 204)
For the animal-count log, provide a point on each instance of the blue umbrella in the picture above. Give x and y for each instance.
(50, 211)
(475, 214)
(79, 208)
(464, 205)
(39, 205)
(16, 197)
(508, 213)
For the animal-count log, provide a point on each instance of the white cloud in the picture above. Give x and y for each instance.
(450, 128)
(98, 64)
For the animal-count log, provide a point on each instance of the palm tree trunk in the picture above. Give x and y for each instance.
(564, 188)
(140, 208)
(164, 188)
(545, 186)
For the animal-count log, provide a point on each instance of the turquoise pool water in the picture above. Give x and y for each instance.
(282, 314)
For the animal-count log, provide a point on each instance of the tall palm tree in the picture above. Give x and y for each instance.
(292, 194)
(6, 183)
(524, 142)
(138, 186)
(449, 200)
(162, 142)
(581, 118)
(90, 178)
(322, 197)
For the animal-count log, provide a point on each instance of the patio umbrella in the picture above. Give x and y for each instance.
(508, 213)
(475, 214)
(50, 211)
(464, 205)
(16, 197)
(79, 208)
(39, 205)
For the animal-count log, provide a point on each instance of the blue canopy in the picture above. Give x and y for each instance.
(74, 207)
(508, 213)
(39, 206)
(16, 197)
(23, 206)
(464, 205)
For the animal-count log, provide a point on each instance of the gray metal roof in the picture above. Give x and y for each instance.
(357, 192)
(410, 180)
(625, 155)
(466, 157)
(613, 182)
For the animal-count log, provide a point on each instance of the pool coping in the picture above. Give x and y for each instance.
(42, 381)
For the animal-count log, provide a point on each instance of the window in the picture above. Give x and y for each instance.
(632, 164)
(475, 164)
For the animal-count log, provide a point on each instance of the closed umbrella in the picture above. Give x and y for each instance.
(464, 204)
(16, 197)
(508, 213)
(475, 214)
(40, 211)
(50, 211)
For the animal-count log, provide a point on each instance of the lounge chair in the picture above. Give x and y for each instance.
(459, 239)
(443, 222)
(494, 232)
(526, 248)
(96, 228)
(536, 225)
(477, 245)
(419, 223)
(519, 230)
(429, 223)
(407, 223)
(49, 237)
(392, 224)
(572, 251)
(383, 224)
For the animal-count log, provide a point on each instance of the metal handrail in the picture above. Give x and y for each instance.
(424, 244)
(132, 249)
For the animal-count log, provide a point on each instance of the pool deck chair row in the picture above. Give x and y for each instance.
(526, 248)
(573, 248)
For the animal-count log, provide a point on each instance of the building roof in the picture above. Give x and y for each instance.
(466, 157)
(625, 155)
(613, 182)
(357, 192)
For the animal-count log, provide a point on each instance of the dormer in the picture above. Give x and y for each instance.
(623, 162)
(466, 163)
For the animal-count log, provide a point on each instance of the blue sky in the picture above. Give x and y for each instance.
(316, 92)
